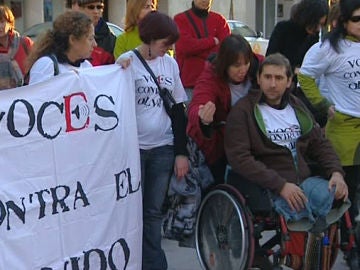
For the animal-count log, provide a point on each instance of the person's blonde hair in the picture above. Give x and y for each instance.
(133, 9)
(6, 13)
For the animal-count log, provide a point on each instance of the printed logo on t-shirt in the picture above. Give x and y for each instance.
(285, 136)
(353, 73)
(147, 92)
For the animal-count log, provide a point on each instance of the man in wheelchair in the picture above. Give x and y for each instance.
(269, 137)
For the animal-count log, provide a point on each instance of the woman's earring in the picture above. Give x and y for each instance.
(149, 51)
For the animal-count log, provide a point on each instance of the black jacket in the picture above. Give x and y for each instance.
(291, 40)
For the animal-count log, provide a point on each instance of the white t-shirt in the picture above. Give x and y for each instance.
(153, 123)
(43, 69)
(239, 91)
(282, 126)
(341, 73)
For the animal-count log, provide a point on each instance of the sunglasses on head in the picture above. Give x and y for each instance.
(355, 18)
(92, 7)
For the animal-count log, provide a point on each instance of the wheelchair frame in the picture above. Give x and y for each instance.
(228, 233)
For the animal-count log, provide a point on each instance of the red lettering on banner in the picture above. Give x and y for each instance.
(68, 112)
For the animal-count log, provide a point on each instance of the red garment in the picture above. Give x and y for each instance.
(296, 243)
(22, 52)
(209, 88)
(192, 52)
(101, 57)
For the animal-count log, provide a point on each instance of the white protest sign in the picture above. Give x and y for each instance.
(70, 195)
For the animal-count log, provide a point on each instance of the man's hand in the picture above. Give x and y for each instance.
(181, 166)
(341, 189)
(206, 113)
(294, 196)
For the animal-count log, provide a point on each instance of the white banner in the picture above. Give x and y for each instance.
(70, 195)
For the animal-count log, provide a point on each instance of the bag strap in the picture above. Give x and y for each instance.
(56, 68)
(161, 90)
(191, 20)
(56, 63)
(147, 67)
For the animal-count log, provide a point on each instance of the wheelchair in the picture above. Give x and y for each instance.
(232, 219)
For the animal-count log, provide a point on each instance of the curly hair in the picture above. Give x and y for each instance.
(56, 40)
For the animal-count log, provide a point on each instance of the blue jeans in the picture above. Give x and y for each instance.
(319, 204)
(157, 165)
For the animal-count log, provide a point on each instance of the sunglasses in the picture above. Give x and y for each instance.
(92, 7)
(354, 19)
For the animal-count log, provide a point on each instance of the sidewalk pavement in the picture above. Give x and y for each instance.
(181, 258)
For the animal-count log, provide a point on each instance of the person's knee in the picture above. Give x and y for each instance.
(319, 196)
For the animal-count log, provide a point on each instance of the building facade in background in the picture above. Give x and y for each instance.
(261, 15)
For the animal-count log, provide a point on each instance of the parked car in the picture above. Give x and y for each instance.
(256, 40)
(34, 31)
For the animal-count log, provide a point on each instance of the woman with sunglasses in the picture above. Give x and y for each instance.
(135, 11)
(105, 39)
(337, 58)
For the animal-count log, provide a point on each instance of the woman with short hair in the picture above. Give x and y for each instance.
(162, 140)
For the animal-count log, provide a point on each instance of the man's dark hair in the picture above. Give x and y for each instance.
(277, 59)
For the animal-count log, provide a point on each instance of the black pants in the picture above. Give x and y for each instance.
(352, 179)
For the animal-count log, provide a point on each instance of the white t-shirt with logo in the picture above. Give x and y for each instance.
(339, 72)
(153, 123)
(282, 126)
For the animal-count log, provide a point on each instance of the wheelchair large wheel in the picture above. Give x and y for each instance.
(224, 231)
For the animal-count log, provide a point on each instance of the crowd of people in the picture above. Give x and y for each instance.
(257, 114)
